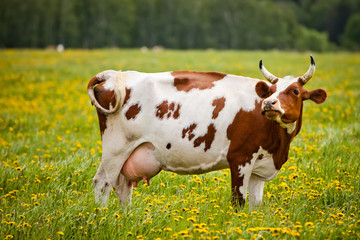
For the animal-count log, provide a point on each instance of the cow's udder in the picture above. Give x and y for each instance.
(141, 165)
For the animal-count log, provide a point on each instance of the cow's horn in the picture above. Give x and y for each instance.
(308, 75)
(267, 75)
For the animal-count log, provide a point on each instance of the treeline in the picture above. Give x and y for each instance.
(317, 25)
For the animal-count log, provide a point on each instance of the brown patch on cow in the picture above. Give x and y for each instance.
(208, 138)
(105, 98)
(133, 111)
(188, 80)
(272, 89)
(168, 110)
(219, 105)
(189, 131)
(250, 130)
(168, 146)
(176, 114)
(127, 95)
(291, 103)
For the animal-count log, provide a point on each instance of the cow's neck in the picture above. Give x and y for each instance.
(281, 139)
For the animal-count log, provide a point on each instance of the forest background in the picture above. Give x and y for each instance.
(317, 25)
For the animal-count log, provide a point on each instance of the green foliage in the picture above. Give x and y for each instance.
(179, 24)
(351, 38)
(312, 40)
(50, 149)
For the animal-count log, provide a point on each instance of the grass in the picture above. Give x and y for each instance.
(50, 149)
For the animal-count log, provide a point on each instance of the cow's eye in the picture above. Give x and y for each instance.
(296, 92)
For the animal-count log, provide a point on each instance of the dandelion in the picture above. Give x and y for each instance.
(60, 233)
(9, 237)
(309, 224)
(19, 169)
(183, 233)
(26, 224)
(191, 219)
(117, 216)
(297, 227)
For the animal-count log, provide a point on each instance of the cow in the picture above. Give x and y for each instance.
(190, 122)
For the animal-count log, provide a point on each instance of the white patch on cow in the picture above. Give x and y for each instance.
(220, 163)
(108, 74)
(282, 84)
(290, 127)
(264, 168)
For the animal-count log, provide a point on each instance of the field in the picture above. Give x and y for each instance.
(50, 149)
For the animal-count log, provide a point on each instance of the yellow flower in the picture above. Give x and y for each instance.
(191, 219)
(9, 237)
(117, 216)
(60, 233)
(26, 224)
(309, 224)
(297, 227)
(19, 169)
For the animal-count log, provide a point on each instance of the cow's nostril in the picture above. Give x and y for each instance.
(273, 102)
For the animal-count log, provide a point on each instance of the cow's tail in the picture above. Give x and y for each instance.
(119, 81)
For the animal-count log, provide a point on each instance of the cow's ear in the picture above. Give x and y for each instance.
(262, 89)
(318, 95)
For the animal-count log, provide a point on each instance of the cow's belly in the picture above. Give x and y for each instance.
(191, 167)
(185, 159)
(146, 161)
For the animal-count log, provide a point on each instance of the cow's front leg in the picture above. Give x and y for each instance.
(256, 188)
(240, 176)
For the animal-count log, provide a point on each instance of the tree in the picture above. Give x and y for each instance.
(351, 37)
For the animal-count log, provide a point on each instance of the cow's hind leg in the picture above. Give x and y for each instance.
(101, 186)
(256, 188)
(123, 190)
(107, 175)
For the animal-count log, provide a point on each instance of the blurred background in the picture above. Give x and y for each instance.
(317, 25)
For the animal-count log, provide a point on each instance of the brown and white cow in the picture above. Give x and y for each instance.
(195, 122)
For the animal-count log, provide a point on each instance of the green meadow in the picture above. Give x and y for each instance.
(50, 149)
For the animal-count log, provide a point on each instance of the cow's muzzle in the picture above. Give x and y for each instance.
(271, 107)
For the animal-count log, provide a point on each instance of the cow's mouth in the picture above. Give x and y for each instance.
(272, 114)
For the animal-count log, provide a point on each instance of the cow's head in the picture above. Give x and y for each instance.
(283, 98)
